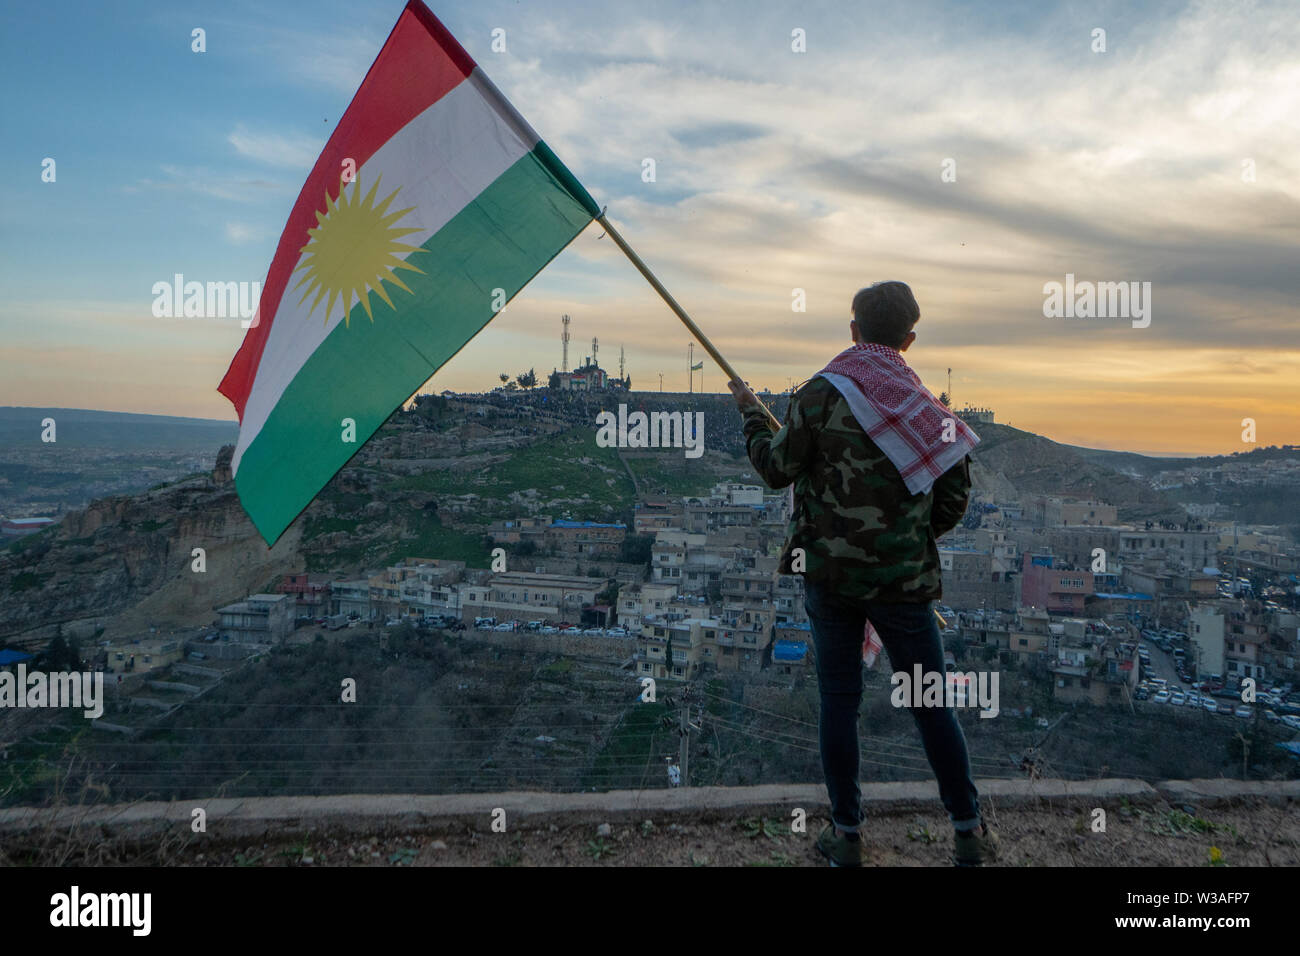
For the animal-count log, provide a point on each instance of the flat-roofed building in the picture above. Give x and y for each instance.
(586, 538)
(21, 527)
(258, 619)
(530, 596)
(351, 596)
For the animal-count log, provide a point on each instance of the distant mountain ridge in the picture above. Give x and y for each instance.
(20, 426)
(16, 424)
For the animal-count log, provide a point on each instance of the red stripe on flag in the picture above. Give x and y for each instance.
(418, 65)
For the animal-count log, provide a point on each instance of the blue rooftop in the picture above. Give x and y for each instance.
(585, 524)
(1124, 597)
(789, 650)
(13, 657)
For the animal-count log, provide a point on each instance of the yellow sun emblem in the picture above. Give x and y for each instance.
(353, 249)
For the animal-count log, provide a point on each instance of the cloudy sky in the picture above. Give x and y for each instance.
(1173, 157)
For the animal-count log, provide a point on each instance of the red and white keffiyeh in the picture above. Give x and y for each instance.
(870, 645)
(900, 414)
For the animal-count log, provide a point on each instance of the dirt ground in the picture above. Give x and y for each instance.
(1242, 834)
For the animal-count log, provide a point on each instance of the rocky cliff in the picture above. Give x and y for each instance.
(126, 562)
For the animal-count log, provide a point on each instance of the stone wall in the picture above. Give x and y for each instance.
(610, 650)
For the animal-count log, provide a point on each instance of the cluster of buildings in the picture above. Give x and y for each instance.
(1061, 583)
(1052, 582)
(710, 596)
(714, 596)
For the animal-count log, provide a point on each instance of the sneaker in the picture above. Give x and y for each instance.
(976, 847)
(841, 851)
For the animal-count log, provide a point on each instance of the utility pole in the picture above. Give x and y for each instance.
(684, 730)
(684, 743)
(690, 367)
(661, 381)
(1235, 549)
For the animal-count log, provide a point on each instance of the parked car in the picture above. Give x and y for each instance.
(1292, 721)
(507, 626)
(1141, 694)
(1271, 717)
(484, 623)
(1223, 708)
(1209, 704)
(1177, 698)
(547, 629)
(1193, 699)
(1244, 710)
(616, 632)
(1162, 697)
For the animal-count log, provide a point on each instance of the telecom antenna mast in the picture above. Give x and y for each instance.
(564, 339)
(620, 362)
(595, 347)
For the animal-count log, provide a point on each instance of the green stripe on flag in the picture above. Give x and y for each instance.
(566, 178)
(363, 371)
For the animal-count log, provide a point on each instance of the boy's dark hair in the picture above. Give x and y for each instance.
(885, 313)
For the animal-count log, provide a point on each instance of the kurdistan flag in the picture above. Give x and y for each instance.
(383, 275)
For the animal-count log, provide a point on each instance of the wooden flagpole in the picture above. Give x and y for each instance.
(681, 314)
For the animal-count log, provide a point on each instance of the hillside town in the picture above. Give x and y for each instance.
(676, 587)
(1104, 613)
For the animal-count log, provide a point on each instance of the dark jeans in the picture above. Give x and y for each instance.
(910, 635)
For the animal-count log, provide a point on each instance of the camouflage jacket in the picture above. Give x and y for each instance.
(863, 535)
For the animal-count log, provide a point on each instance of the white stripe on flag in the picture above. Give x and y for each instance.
(443, 159)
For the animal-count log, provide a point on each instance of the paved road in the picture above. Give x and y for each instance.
(1162, 665)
